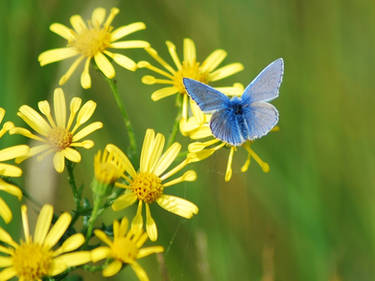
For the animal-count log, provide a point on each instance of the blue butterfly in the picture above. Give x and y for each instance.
(249, 117)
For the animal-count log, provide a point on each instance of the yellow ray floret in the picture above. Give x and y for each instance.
(93, 40)
(37, 256)
(60, 134)
(126, 248)
(172, 76)
(148, 183)
(8, 170)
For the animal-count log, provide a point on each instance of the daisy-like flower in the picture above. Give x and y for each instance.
(8, 170)
(148, 183)
(206, 72)
(93, 41)
(58, 135)
(126, 248)
(34, 258)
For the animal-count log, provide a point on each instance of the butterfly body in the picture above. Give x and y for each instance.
(249, 117)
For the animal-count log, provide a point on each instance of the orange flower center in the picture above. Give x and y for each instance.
(189, 71)
(147, 187)
(32, 261)
(124, 249)
(92, 41)
(60, 138)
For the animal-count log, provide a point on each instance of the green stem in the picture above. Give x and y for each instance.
(73, 184)
(132, 141)
(94, 215)
(172, 135)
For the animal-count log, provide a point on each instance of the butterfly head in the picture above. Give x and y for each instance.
(236, 106)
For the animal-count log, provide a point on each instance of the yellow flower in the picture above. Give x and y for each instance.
(147, 185)
(205, 72)
(92, 40)
(58, 135)
(35, 258)
(109, 166)
(124, 249)
(7, 170)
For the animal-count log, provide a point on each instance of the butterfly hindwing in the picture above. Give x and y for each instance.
(207, 98)
(224, 126)
(260, 118)
(265, 86)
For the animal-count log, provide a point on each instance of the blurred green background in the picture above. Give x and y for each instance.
(312, 217)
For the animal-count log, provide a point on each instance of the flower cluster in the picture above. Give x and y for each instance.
(60, 130)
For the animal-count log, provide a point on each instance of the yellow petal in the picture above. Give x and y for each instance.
(85, 114)
(153, 53)
(172, 52)
(45, 108)
(228, 173)
(265, 167)
(85, 76)
(102, 236)
(24, 132)
(122, 158)
(58, 230)
(139, 271)
(156, 151)
(56, 268)
(187, 176)
(75, 259)
(167, 158)
(127, 29)
(98, 16)
(213, 60)
(130, 44)
(189, 51)
(8, 170)
(6, 238)
(7, 273)
(178, 206)
(225, 71)
(34, 120)
(124, 201)
(72, 155)
(70, 71)
(145, 64)
(43, 223)
(87, 144)
(144, 252)
(100, 253)
(123, 227)
(34, 151)
(163, 93)
(78, 24)
(59, 107)
(25, 223)
(5, 212)
(62, 31)
(54, 55)
(6, 261)
(137, 222)
(125, 62)
(113, 13)
(151, 229)
(13, 152)
(146, 149)
(2, 113)
(104, 65)
(59, 161)
(11, 189)
(201, 132)
(75, 105)
(72, 243)
(113, 268)
(87, 130)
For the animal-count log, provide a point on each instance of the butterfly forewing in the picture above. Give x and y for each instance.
(265, 86)
(207, 98)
